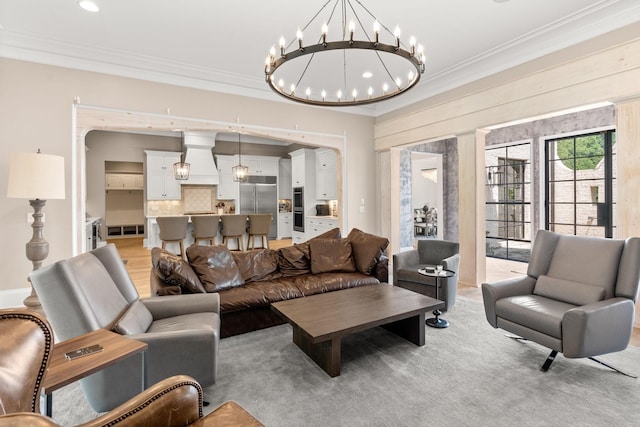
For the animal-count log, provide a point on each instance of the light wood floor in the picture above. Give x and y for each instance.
(139, 267)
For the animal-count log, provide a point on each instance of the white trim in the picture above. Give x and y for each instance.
(13, 298)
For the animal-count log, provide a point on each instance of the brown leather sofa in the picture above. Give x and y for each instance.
(248, 282)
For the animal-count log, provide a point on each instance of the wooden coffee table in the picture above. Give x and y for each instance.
(320, 321)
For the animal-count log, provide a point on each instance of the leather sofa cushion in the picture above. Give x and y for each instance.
(261, 294)
(568, 291)
(257, 265)
(174, 270)
(136, 320)
(215, 267)
(292, 261)
(536, 312)
(331, 255)
(367, 248)
(296, 260)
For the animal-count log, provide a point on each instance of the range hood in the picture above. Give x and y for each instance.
(197, 147)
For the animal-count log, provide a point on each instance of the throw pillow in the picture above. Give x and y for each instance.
(367, 248)
(256, 265)
(292, 261)
(215, 267)
(136, 320)
(174, 270)
(295, 260)
(329, 255)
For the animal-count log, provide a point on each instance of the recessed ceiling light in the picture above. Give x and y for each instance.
(367, 74)
(89, 6)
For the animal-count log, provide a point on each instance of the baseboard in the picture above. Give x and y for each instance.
(13, 298)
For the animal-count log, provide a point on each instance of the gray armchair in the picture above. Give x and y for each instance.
(429, 253)
(93, 290)
(577, 298)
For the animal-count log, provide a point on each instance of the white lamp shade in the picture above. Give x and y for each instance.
(36, 176)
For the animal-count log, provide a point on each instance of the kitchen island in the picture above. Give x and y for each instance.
(152, 238)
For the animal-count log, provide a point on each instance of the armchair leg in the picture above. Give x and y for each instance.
(613, 368)
(515, 337)
(549, 361)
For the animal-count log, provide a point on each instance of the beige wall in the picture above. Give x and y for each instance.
(36, 111)
(605, 69)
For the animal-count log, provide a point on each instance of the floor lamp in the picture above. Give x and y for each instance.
(36, 177)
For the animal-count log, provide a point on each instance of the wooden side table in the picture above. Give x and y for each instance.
(62, 372)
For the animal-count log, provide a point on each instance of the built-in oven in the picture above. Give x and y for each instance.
(298, 209)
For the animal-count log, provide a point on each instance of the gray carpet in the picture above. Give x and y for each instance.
(466, 375)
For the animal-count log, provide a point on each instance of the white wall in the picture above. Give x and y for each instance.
(36, 111)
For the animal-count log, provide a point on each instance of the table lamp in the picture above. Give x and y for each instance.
(37, 177)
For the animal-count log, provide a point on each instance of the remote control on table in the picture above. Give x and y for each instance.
(84, 351)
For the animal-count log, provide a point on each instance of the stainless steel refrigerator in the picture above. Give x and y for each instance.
(260, 195)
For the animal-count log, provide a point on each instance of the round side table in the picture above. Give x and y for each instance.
(436, 321)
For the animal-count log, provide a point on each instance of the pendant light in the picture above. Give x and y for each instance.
(240, 173)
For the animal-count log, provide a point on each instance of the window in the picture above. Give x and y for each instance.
(580, 184)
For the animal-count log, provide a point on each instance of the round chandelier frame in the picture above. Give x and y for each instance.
(414, 56)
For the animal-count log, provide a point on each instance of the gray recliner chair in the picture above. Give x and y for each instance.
(429, 253)
(93, 290)
(577, 298)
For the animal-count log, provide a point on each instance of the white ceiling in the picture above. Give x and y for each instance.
(222, 45)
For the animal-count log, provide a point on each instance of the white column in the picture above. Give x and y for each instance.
(471, 207)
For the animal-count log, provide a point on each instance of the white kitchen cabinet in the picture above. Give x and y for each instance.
(161, 182)
(261, 165)
(326, 174)
(284, 179)
(124, 181)
(318, 225)
(297, 168)
(227, 187)
(285, 225)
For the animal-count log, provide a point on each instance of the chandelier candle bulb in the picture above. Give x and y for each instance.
(376, 30)
(299, 37)
(325, 30)
(354, 93)
(282, 46)
(412, 44)
(308, 92)
(339, 95)
(370, 91)
(396, 34)
(352, 28)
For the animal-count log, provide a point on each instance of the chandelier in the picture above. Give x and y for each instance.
(336, 72)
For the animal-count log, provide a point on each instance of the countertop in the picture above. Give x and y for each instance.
(322, 217)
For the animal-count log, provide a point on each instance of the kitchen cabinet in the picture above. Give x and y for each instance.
(326, 174)
(227, 187)
(161, 183)
(317, 225)
(284, 179)
(124, 181)
(261, 165)
(302, 170)
(285, 225)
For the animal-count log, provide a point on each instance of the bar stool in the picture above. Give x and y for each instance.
(259, 226)
(173, 229)
(233, 228)
(205, 227)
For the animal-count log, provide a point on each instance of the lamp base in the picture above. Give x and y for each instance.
(33, 303)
